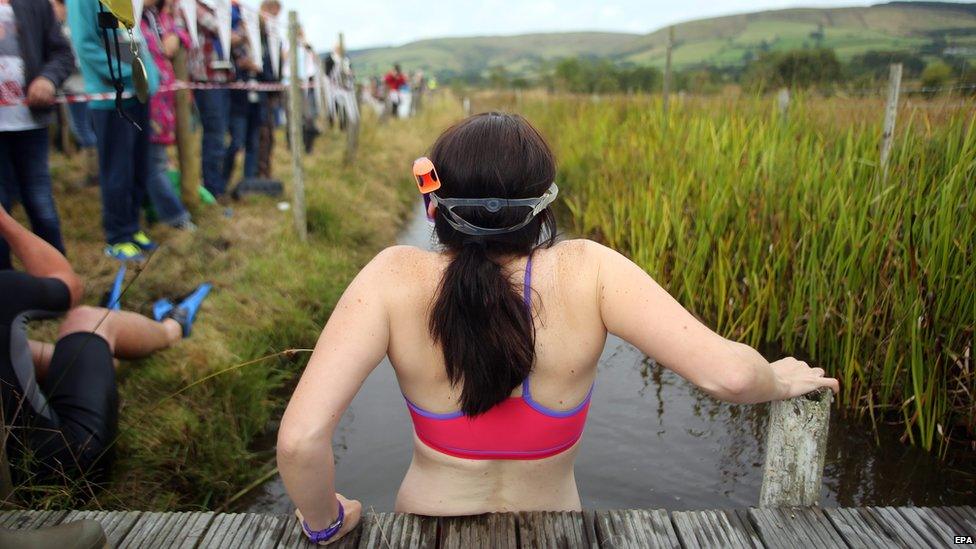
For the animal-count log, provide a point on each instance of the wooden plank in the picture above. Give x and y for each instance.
(31, 520)
(553, 529)
(478, 532)
(636, 528)
(244, 530)
(964, 518)
(167, 530)
(798, 527)
(896, 525)
(115, 524)
(292, 535)
(862, 529)
(398, 530)
(929, 525)
(705, 529)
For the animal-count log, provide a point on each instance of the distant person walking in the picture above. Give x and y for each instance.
(394, 80)
(35, 58)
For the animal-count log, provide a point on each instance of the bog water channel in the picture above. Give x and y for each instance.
(652, 441)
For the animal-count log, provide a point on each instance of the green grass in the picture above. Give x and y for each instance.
(197, 420)
(781, 231)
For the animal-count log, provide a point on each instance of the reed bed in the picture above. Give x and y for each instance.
(780, 230)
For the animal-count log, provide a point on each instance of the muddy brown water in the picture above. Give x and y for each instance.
(652, 440)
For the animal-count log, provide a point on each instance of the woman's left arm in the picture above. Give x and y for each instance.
(353, 342)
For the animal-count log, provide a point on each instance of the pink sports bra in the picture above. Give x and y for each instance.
(516, 428)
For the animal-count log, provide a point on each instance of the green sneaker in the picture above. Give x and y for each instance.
(142, 240)
(126, 251)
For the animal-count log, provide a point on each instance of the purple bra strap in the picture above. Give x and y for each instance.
(527, 284)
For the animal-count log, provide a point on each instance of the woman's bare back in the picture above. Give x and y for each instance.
(569, 339)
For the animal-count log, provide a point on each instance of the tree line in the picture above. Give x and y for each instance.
(804, 68)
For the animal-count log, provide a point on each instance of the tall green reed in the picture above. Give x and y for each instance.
(780, 230)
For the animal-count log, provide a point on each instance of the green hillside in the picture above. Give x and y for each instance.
(478, 53)
(926, 27)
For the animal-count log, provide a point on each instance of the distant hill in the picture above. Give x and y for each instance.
(926, 27)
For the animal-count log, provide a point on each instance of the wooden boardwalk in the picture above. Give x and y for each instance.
(800, 528)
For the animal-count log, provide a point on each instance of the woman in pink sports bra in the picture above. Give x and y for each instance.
(494, 340)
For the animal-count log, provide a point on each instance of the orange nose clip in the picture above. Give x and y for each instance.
(426, 175)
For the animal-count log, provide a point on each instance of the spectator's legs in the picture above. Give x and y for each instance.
(129, 335)
(29, 157)
(214, 108)
(168, 206)
(81, 124)
(6, 180)
(266, 134)
(238, 133)
(253, 125)
(81, 127)
(117, 144)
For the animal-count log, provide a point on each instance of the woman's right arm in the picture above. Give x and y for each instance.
(637, 309)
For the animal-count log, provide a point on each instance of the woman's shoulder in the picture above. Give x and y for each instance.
(579, 251)
(395, 262)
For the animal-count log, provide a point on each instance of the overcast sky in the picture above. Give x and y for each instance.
(369, 23)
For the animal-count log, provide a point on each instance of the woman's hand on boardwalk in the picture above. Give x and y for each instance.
(354, 513)
(798, 378)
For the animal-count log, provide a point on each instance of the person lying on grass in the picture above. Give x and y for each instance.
(495, 341)
(59, 401)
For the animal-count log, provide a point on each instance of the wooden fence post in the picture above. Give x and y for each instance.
(891, 113)
(783, 103)
(352, 122)
(296, 118)
(189, 161)
(796, 445)
(667, 70)
(67, 144)
(466, 104)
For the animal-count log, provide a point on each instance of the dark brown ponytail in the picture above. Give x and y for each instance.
(479, 316)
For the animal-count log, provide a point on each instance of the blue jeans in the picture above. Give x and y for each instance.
(214, 109)
(24, 172)
(81, 124)
(244, 128)
(169, 208)
(123, 168)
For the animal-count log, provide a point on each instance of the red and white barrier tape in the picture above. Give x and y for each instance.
(175, 86)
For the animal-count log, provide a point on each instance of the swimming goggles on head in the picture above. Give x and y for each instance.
(428, 182)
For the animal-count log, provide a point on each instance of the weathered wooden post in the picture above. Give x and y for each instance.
(891, 112)
(667, 70)
(185, 148)
(67, 145)
(296, 118)
(352, 118)
(796, 445)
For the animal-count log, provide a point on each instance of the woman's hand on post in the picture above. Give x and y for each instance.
(797, 378)
(354, 513)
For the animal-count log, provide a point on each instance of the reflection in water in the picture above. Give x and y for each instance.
(652, 440)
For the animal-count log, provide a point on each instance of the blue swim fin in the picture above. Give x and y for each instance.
(161, 308)
(114, 301)
(186, 311)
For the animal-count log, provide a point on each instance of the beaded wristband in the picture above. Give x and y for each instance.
(316, 536)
